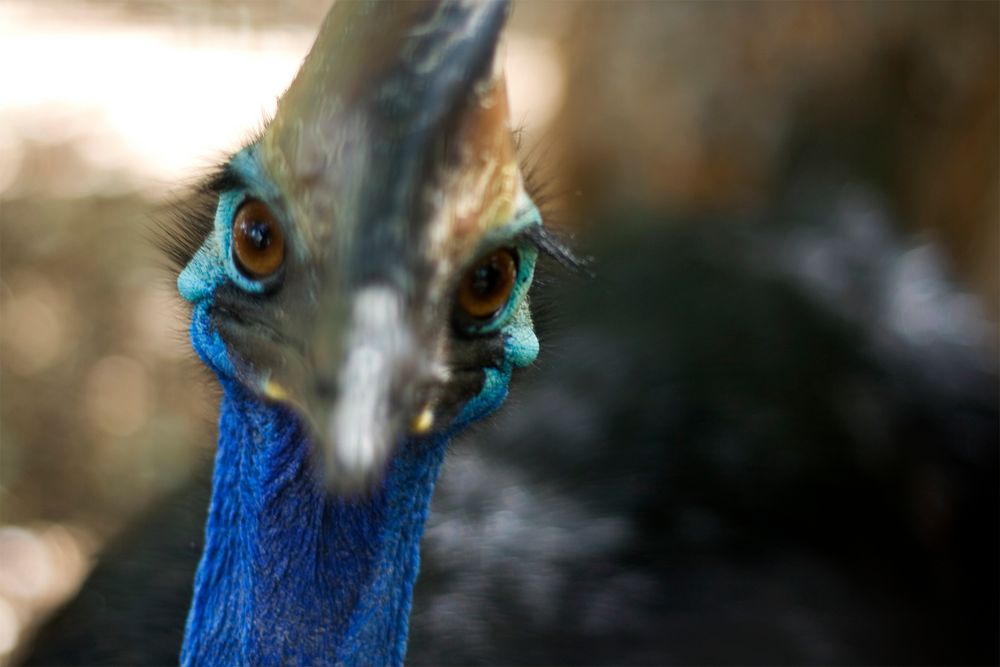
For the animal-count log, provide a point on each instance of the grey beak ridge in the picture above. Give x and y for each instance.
(360, 431)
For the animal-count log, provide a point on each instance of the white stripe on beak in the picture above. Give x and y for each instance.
(362, 427)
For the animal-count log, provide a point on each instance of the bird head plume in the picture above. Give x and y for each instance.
(370, 253)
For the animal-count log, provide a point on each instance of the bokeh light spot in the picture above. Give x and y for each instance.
(118, 395)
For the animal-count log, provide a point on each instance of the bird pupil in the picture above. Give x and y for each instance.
(484, 279)
(487, 286)
(259, 234)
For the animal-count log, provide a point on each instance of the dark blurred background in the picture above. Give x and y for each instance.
(844, 156)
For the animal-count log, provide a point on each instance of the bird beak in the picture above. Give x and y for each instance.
(379, 375)
(361, 150)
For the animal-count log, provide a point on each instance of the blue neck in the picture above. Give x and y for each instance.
(290, 575)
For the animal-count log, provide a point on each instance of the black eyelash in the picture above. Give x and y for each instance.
(182, 225)
(226, 178)
(185, 222)
(549, 244)
(539, 184)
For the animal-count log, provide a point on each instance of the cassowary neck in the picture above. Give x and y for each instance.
(290, 575)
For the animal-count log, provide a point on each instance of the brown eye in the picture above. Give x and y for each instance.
(258, 244)
(487, 285)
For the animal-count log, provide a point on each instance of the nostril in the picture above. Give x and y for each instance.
(325, 388)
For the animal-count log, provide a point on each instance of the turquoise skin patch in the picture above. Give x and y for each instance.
(514, 323)
(213, 264)
(520, 349)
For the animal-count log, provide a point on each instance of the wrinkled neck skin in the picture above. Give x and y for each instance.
(291, 575)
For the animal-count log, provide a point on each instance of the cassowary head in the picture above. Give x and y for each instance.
(370, 253)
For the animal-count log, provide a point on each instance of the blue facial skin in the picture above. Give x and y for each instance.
(334, 575)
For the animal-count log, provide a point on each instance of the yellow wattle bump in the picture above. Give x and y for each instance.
(423, 422)
(275, 391)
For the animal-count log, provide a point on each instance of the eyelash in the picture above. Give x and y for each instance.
(552, 246)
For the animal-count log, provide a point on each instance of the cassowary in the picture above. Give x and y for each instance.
(360, 290)
(716, 462)
(361, 294)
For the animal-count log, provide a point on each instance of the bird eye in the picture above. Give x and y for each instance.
(487, 285)
(258, 244)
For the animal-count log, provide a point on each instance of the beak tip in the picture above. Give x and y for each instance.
(348, 456)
